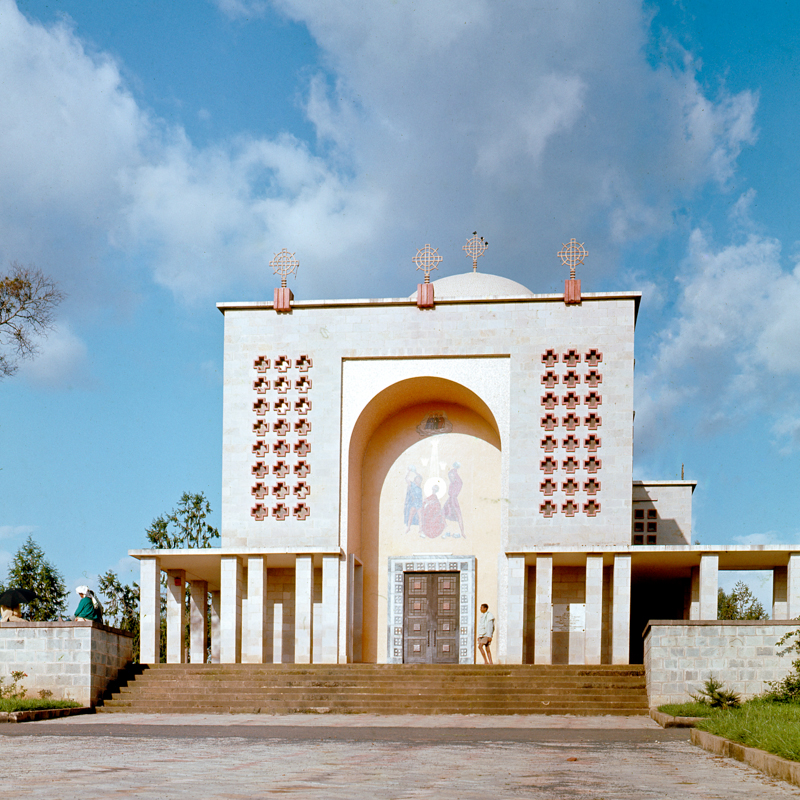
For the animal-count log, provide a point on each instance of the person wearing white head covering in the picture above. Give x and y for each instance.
(89, 607)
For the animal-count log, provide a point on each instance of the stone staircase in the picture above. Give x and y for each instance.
(378, 689)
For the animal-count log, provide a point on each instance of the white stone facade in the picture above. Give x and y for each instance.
(496, 426)
(73, 660)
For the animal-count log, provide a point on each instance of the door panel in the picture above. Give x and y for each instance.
(432, 616)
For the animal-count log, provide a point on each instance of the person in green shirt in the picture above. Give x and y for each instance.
(89, 606)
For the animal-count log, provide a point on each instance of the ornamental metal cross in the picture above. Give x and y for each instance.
(475, 248)
(572, 254)
(427, 259)
(284, 264)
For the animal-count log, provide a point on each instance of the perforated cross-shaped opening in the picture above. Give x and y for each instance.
(280, 490)
(569, 508)
(261, 427)
(548, 508)
(591, 508)
(571, 421)
(261, 385)
(570, 465)
(302, 448)
(282, 384)
(593, 421)
(549, 444)
(592, 442)
(301, 490)
(302, 427)
(301, 511)
(281, 427)
(594, 357)
(280, 469)
(572, 358)
(571, 400)
(570, 444)
(593, 399)
(281, 406)
(549, 401)
(259, 469)
(301, 469)
(259, 491)
(549, 422)
(570, 486)
(550, 358)
(303, 405)
(304, 363)
(303, 384)
(282, 363)
(548, 465)
(280, 447)
(592, 486)
(260, 448)
(592, 464)
(571, 379)
(261, 364)
(547, 487)
(280, 512)
(261, 406)
(259, 511)
(594, 379)
(550, 379)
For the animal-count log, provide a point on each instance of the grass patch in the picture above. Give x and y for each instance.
(774, 727)
(687, 709)
(30, 704)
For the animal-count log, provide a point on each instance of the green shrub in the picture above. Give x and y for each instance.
(693, 709)
(715, 695)
(788, 689)
(13, 691)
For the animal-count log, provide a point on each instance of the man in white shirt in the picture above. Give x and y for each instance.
(485, 633)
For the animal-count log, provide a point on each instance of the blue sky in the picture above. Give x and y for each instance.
(154, 156)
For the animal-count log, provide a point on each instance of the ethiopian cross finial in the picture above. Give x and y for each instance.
(572, 254)
(427, 259)
(475, 248)
(284, 264)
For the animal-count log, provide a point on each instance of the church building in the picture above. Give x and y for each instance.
(391, 464)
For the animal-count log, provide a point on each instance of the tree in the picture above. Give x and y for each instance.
(741, 603)
(121, 606)
(184, 526)
(27, 301)
(31, 570)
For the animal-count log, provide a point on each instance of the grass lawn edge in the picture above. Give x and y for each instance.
(772, 765)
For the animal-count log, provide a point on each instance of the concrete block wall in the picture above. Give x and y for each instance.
(73, 660)
(679, 656)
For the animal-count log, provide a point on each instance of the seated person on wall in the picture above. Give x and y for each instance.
(89, 606)
(11, 614)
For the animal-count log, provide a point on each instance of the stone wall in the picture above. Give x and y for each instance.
(73, 660)
(680, 655)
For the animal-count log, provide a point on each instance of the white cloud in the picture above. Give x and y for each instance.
(61, 360)
(10, 531)
(730, 349)
(526, 120)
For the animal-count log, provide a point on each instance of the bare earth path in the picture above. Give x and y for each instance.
(354, 757)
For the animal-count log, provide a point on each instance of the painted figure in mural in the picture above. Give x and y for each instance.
(433, 521)
(413, 504)
(452, 510)
(485, 633)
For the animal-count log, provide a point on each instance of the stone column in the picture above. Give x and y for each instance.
(216, 628)
(621, 611)
(780, 604)
(176, 616)
(515, 610)
(793, 586)
(231, 577)
(709, 586)
(304, 608)
(198, 621)
(329, 616)
(150, 610)
(543, 611)
(593, 640)
(255, 637)
(694, 606)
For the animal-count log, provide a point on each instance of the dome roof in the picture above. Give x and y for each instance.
(472, 285)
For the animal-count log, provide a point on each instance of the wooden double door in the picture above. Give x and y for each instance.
(431, 618)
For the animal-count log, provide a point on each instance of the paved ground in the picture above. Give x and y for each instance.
(362, 757)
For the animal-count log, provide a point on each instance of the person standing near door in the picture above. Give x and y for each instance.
(485, 633)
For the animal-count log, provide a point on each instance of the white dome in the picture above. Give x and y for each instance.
(476, 285)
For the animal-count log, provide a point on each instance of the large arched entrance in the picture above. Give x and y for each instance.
(424, 482)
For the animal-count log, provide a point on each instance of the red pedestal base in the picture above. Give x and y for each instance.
(283, 299)
(425, 295)
(572, 291)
